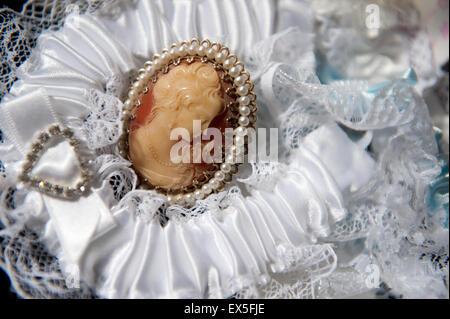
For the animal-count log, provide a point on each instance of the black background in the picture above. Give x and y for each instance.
(13, 4)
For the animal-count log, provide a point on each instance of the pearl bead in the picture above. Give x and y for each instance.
(125, 113)
(240, 80)
(235, 70)
(173, 52)
(170, 200)
(244, 100)
(225, 167)
(228, 64)
(242, 90)
(165, 57)
(132, 94)
(138, 85)
(219, 175)
(189, 198)
(244, 121)
(206, 189)
(213, 183)
(143, 76)
(241, 131)
(192, 49)
(211, 53)
(127, 103)
(244, 110)
(201, 50)
(182, 51)
(157, 64)
(150, 69)
(198, 194)
(220, 57)
(179, 199)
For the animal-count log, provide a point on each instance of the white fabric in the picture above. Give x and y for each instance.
(84, 56)
(116, 239)
(76, 225)
(218, 252)
(16, 117)
(58, 165)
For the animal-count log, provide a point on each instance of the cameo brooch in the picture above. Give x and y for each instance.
(186, 117)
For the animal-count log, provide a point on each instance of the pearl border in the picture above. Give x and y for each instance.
(243, 109)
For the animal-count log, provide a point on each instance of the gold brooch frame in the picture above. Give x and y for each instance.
(242, 107)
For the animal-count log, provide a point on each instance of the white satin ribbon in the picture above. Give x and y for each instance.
(76, 224)
(24, 117)
(347, 162)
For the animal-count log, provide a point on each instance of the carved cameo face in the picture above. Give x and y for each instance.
(192, 86)
(187, 92)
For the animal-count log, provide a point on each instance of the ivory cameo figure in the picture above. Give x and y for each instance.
(187, 92)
